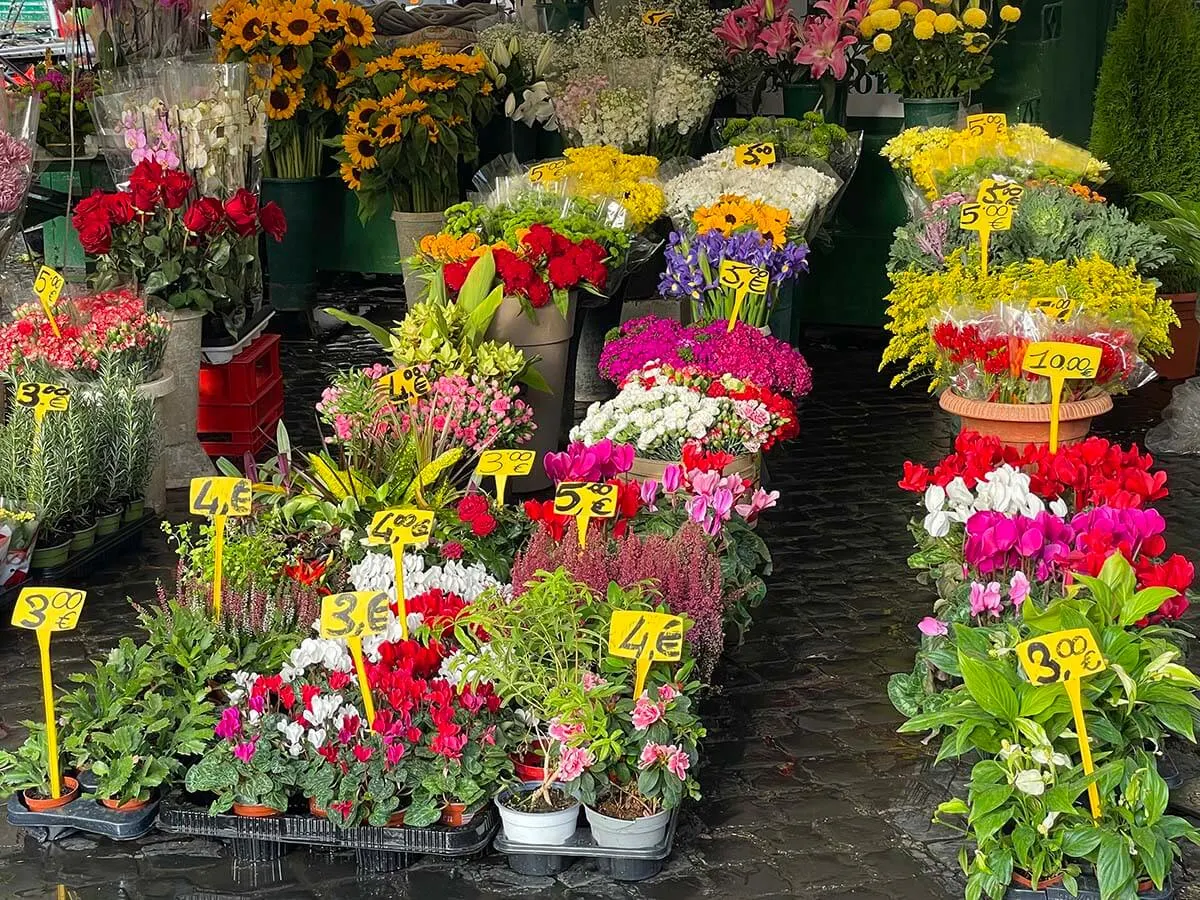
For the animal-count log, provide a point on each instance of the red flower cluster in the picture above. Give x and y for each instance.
(1175, 572)
(1093, 472)
(697, 460)
(782, 410)
(542, 512)
(968, 345)
(473, 510)
(545, 261)
(629, 502)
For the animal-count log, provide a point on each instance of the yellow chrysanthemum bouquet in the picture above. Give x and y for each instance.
(601, 173)
(413, 115)
(935, 49)
(304, 51)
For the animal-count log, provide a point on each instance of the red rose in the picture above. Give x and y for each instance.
(242, 209)
(145, 198)
(204, 215)
(471, 507)
(563, 272)
(119, 207)
(273, 221)
(176, 187)
(95, 235)
(146, 174)
(539, 294)
(95, 204)
(483, 525)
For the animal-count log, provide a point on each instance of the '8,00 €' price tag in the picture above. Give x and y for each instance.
(645, 637)
(407, 383)
(585, 500)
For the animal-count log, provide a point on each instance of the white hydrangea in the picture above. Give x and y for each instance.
(799, 189)
(1004, 490)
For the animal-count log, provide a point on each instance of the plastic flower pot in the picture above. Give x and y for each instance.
(937, 111)
(127, 806)
(628, 834)
(46, 556)
(1018, 424)
(38, 803)
(542, 828)
(410, 228)
(255, 810)
(83, 538)
(292, 262)
(108, 523)
(158, 390)
(747, 465)
(454, 815)
(529, 766)
(316, 810)
(1185, 339)
(134, 510)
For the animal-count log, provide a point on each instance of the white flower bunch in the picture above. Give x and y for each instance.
(798, 189)
(617, 117)
(328, 653)
(683, 98)
(1004, 490)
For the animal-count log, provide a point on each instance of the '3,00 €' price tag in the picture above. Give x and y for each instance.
(351, 616)
(500, 464)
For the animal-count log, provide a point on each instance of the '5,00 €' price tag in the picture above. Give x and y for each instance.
(754, 156)
(993, 125)
(645, 637)
(585, 500)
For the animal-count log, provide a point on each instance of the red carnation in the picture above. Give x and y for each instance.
(242, 210)
(204, 215)
(273, 221)
(176, 186)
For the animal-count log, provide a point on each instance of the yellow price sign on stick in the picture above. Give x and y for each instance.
(754, 156)
(742, 278)
(400, 528)
(1066, 658)
(585, 500)
(656, 17)
(48, 285)
(1060, 361)
(992, 191)
(408, 383)
(984, 218)
(219, 498)
(992, 125)
(645, 637)
(1054, 307)
(42, 398)
(351, 616)
(552, 170)
(45, 610)
(500, 464)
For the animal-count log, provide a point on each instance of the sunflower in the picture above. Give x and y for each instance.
(283, 101)
(341, 61)
(320, 96)
(360, 147)
(224, 13)
(360, 29)
(296, 23)
(430, 125)
(248, 28)
(361, 112)
(289, 65)
(388, 131)
(330, 12)
(352, 175)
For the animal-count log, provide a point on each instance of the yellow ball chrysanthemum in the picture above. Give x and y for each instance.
(907, 8)
(1010, 13)
(877, 5)
(923, 30)
(974, 17)
(945, 23)
(887, 19)
(866, 27)
(926, 15)
(882, 43)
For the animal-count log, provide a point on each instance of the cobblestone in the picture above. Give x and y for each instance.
(809, 792)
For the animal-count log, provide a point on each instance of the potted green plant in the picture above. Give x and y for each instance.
(27, 771)
(129, 448)
(358, 780)
(1182, 228)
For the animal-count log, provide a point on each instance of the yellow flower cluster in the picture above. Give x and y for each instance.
(884, 16)
(599, 172)
(733, 213)
(1113, 294)
(900, 150)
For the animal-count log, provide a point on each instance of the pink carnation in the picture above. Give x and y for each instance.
(646, 712)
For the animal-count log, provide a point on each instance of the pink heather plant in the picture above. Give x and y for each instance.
(745, 353)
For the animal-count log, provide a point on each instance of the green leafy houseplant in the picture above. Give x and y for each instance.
(351, 790)
(26, 769)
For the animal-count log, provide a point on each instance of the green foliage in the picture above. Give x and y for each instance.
(810, 137)
(1146, 123)
(26, 769)
(1181, 227)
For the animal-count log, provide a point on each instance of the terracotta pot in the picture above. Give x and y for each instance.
(410, 228)
(1025, 882)
(36, 803)
(546, 336)
(1018, 424)
(396, 819)
(1185, 339)
(455, 815)
(255, 811)
(315, 809)
(127, 806)
(748, 465)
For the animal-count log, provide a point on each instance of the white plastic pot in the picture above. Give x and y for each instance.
(550, 829)
(628, 834)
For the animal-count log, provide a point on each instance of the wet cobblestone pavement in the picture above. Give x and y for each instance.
(808, 790)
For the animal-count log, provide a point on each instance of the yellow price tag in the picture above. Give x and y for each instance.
(1066, 658)
(547, 171)
(985, 217)
(1054, 307)
(585, 500)
(754, 156)
(42, 398)
(992, 125)
(48, 285)
(645, 637)
(399, 528)
(656, 17)
(742, 278)
(219, 498)
(350, 616)
(1060, 361)
(500, 464)
(46, 610)
(409, 383)
(992, 191)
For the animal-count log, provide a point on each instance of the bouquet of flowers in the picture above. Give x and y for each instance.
(201, 254)
(612, 107)
(930, 50)
(603, 173)
(809, 138)
(18, 132)
(517, 61)
(111, 328)
(59, 100)
(733, 229)
(305, 54)
(18, 529)
(139, 31)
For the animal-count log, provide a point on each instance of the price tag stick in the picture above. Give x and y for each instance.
(354, 645)
(401, 607)
(1074, 693)
(43, 639)
(218, 557)
(1057, 382)
(984, 234)
(738, 299)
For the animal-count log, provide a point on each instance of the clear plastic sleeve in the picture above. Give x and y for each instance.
(18, 141)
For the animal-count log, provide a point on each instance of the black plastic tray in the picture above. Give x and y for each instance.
(81, 815)
(617, 864)
(376, 849)
(128, 535)
(1088, 890)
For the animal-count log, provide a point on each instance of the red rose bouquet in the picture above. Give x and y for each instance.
(189, 251)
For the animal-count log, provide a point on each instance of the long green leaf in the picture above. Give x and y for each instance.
(478, 284)
(479, 318)
(378, 332)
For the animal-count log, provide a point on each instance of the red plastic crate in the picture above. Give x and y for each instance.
(244, 378)
(235, 445)
(245, 425)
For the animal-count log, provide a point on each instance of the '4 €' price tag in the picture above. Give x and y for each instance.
(221, 496)
(500, 464)
(585, 500)
(42, 398)
(993, 125)
(401, 526)
(646, 637)
(754, 156)
(1067, 657)
(408, 383)
(547, 171)
(992, 191)
(47, 608)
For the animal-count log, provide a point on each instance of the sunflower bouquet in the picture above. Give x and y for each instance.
(305, 53)
(412, 118)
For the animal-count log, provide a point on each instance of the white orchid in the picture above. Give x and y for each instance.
(1030, 781)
